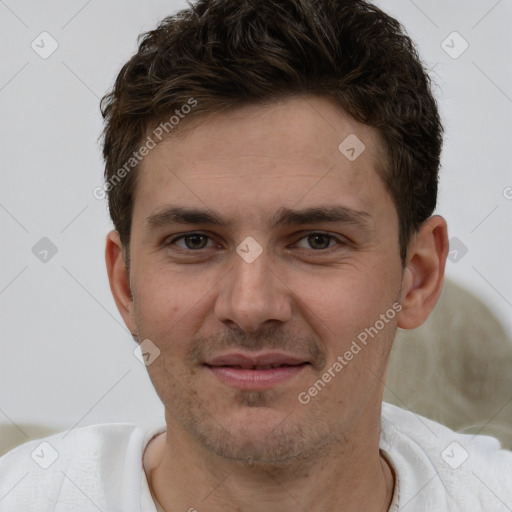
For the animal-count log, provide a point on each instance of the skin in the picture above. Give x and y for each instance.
(232, 449)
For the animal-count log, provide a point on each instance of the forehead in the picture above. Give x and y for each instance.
(301, 149)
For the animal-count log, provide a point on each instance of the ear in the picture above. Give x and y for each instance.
(423, 277)
(119, 279)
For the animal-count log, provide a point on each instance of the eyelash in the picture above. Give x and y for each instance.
(172, 241)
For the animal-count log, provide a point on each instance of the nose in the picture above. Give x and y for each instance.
(253, 295)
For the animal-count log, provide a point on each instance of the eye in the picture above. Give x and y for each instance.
(320, 241)
(198, 241)
(191, 241)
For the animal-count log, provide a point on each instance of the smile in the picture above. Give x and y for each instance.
(261, 372)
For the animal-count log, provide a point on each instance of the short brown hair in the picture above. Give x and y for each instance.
(228, 53)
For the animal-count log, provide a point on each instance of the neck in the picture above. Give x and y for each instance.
(185, 476)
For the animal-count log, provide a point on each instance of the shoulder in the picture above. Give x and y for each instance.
(75, 468)
(438, 467)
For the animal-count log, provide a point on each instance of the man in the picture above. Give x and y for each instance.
(271, 170)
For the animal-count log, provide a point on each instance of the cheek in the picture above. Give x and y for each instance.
(171, 307)
(158, 306)
(340, 306)
(161, 292)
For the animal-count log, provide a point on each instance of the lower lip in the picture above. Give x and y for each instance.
(255, 379)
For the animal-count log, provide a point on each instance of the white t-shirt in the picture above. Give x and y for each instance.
(100, 468)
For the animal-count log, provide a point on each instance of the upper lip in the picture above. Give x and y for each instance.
(251, 360)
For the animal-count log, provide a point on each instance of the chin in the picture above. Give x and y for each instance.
(266, 428)
(259, 436)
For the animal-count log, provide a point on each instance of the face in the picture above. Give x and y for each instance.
(265, 267)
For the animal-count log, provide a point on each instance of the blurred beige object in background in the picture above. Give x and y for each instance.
(456, 368)
(13, 435)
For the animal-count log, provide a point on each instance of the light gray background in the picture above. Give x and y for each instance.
(66, 358)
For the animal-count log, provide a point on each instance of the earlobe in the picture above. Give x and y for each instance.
(423, 277)
(119, 278)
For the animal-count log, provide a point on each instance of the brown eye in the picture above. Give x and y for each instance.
(195, 241)
(191, 241)
(319, 241)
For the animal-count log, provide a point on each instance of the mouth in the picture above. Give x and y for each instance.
(260, 372)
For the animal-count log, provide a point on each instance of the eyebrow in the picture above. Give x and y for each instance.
(283, 217)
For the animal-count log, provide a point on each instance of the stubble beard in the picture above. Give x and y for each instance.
(278, 445)
(283, 440)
